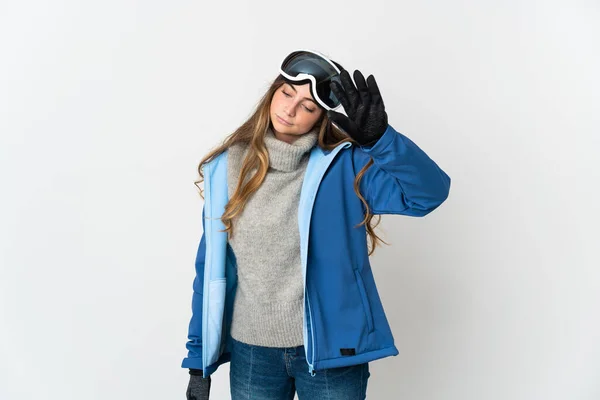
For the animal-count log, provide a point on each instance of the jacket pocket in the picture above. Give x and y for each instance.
(365, 299)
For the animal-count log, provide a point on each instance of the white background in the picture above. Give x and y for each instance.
(106, 108)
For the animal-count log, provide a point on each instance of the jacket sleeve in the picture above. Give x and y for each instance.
(403, 179)
(194, 344)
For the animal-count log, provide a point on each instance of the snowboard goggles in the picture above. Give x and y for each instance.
(314, 67)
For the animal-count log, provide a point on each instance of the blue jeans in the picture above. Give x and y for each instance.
(271, 373)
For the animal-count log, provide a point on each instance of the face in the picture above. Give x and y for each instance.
(293, 111)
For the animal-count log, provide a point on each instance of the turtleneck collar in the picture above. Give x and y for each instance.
(284, 156)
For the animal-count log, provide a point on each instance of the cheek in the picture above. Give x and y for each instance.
(276, 102)
(314, 117)
(309, 119)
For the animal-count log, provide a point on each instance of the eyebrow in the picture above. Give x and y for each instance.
(307, 98)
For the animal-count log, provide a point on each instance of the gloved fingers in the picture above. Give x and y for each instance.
(363, 90)
(351, 92)
(374, 89)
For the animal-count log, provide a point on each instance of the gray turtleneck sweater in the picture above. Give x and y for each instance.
(268, 308)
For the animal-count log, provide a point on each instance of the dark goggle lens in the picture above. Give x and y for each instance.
(326, 94)
(323, 72)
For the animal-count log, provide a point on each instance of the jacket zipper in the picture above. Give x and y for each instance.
(310, 362)
(311, 368)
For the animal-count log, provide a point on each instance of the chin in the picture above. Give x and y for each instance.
(280, 127)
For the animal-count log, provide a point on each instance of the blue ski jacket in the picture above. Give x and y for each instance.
(344, 319)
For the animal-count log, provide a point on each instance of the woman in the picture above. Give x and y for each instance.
(284, 288)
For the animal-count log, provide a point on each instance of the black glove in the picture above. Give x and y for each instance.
(198, 387)
(367, 120)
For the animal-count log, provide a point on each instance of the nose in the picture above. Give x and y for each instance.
(290, 110)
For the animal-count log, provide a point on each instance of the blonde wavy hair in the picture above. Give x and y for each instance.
(252, 133)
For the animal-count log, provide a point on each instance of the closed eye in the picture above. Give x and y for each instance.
(288, 95)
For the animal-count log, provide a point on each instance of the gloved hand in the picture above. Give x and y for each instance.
(367, 120)
(198, 387)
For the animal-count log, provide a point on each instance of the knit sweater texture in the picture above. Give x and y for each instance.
(268, 307)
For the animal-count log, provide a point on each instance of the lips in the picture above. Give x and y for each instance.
(283, 121)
